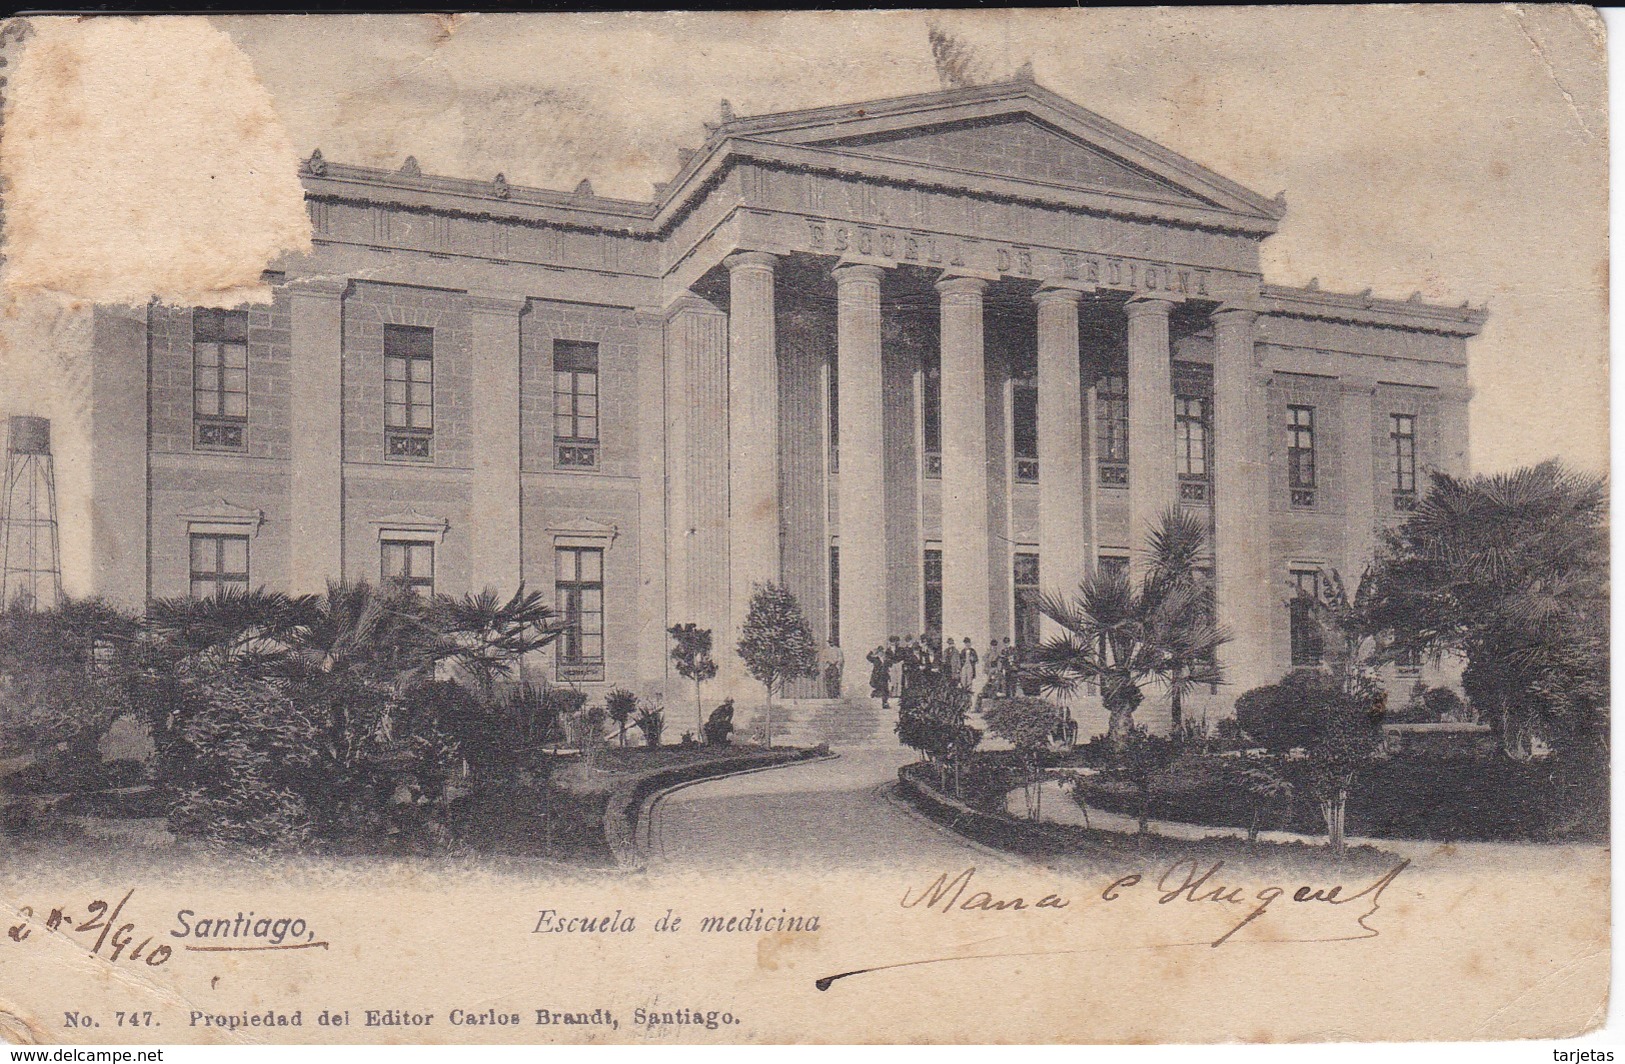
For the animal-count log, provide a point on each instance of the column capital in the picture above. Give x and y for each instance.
(492, 302)
(1233, 314)
(689, 303)
(320, 287)
(857, 272)
(1057, 295)
(1150, 305)
(961, 285)
(750, 260)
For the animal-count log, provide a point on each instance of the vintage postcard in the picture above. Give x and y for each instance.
(889, 527)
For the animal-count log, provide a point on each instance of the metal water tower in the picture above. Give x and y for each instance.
(30, 552)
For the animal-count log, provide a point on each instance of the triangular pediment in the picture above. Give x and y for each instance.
(1016, 146)
(1016, 132)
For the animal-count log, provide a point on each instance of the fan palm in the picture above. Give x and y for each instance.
(1124, 635)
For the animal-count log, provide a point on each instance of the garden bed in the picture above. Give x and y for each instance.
(1114, 850)
(1454, 799)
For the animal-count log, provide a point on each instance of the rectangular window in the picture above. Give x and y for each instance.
(1113, 565)
(931, 413)
(1300, 454)
(1111, 429)
(1307, 645)
(407, 565)
(579, 585)
(835, 594)
(1402, 439)
(1026, 588)
(933, 590)
(1024, 430)
(834, 399)
(1191, 447)
(219, 564)
(575, 404)
(219, 379)
(408, 391)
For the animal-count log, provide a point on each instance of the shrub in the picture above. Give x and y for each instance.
(719, 726)
(1283, 716)
(931, 719)
(651, 721)
(1445, 704)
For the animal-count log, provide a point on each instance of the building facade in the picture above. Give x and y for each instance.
(918, 359)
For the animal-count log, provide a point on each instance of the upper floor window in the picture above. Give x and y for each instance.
(1191, 442)
(219, 378)
(408, 391)
(1402, 440)
(1024, 429)
(579, 585)
(408, 565)
(1308, 646)
(575, 404)
(1300, 454)
(931, 414)
(1111, 429)
(219, 564)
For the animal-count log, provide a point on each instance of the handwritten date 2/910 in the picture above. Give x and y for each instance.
(114, 941)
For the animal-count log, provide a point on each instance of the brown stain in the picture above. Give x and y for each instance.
(771, 947)
(19, 1030)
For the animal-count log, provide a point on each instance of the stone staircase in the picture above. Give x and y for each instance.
(840, 722)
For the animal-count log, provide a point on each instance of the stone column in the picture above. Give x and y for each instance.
(495, 495)
(1359, 476)
(697, 469)
(1063, 521)
(862, 487)
(966, 601)
(1151, 422)
(1241, 549)
(653, 643)
(316, 337)
(753, 436)
(121, 550)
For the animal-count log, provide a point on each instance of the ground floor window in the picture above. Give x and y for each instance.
(1026, 586)
(1308, 647)
(408, 565)
(1113, 565)
(580, 596)
(219, 564)
(933, 590)
(835, 594)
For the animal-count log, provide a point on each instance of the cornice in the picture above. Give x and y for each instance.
(1364, 309)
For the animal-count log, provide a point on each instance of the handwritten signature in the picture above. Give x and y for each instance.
(1185, 881)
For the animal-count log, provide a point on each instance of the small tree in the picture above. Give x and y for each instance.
(1026, 724)
(1139, 757)
(776, 642)
(692, 657)
(1344, 740)
(621, 704)
(1261, 785)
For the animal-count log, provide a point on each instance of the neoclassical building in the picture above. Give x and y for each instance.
(916, 358)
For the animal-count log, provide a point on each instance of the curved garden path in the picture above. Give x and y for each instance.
(839, 812)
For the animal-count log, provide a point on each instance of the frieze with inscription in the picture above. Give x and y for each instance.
(1016, 260)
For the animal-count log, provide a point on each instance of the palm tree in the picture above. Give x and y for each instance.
(238, 626)
(1124, 635)
(485, 636)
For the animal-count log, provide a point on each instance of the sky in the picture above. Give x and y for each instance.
(1456, 151)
